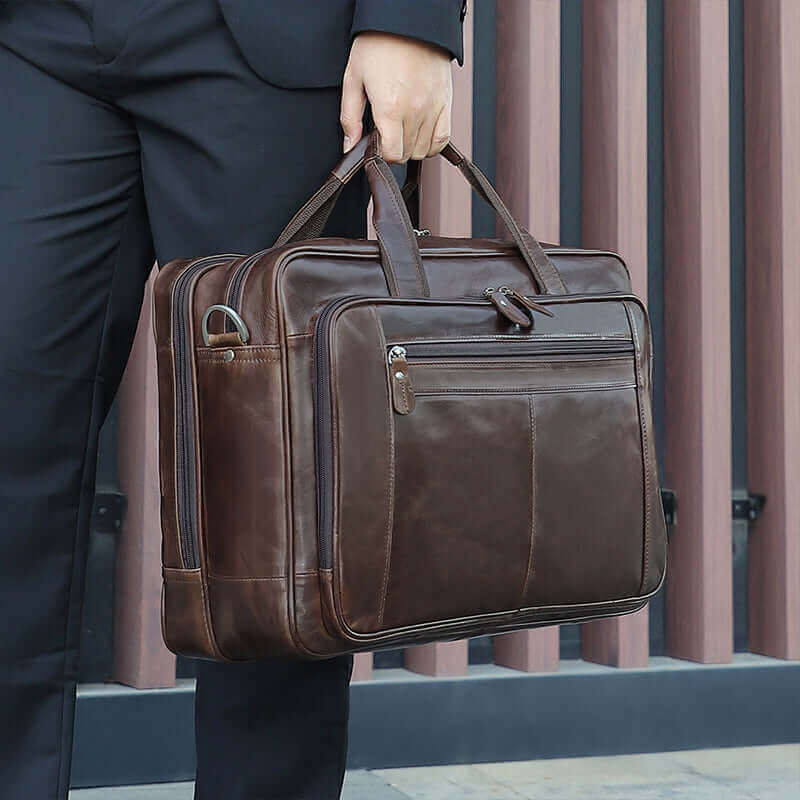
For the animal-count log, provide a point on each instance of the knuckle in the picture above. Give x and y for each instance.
(391, 144)
(419, 104)
(394, 155)
(390, 106)
(392, 112)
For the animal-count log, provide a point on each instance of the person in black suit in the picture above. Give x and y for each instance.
(168, 128)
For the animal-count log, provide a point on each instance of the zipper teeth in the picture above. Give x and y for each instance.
(323, 428)
(234, 294)
(186, 478)
(493, 349)
(234, 291)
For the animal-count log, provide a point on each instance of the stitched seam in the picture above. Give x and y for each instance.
(243, 350)
(508, 338)
(202, 511)
(518, 362)
(394, 288)
(391, 484)
(406, 403)
(529, 571)
(241, 361)
(554, 274)
(168, 571)
(206, 613)
(235, 579)
(645, 453)
(512, 226)
(307, 213)
(422, 283)
(598, 387)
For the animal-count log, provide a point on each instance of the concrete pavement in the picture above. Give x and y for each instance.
(747, 773)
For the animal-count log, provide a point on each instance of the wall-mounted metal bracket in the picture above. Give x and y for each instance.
(670, 503)
(108, 511)
(749, 508)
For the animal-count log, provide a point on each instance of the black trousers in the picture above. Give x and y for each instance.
(128, 129)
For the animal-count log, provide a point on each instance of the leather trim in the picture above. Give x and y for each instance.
(532, 504)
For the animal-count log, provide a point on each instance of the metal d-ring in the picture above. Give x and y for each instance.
(241, 328)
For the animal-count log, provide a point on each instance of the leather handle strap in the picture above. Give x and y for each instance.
(310, 220)
(400, 254)
(543, 269)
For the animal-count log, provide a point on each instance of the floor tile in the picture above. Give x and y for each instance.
(165, 791)
(749, 773)
(362, 785)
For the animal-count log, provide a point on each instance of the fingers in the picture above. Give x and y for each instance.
(422, 145)
(407, 124)
(409, 85)
(413, 132)
(410, 135)
(351, 115)
(441, 132)
(391, 127)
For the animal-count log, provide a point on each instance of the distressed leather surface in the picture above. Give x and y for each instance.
(519, 489)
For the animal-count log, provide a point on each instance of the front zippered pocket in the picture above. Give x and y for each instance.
(467, 468)
(185, 467)
(532, 346)
(508, 355)
(546, 346)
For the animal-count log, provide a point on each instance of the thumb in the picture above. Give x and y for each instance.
(354, 100)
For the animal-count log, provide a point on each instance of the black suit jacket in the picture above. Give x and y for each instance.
(305, 43)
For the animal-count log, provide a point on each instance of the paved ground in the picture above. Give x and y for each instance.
(749, 773)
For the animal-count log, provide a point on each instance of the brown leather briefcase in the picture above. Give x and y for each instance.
(375, 444)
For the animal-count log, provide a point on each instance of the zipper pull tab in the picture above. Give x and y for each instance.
(525, 301)
(403, 398)
(511, 312)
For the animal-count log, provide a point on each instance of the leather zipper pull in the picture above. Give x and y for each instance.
(527, 302)
(511, 312)
(403, 398)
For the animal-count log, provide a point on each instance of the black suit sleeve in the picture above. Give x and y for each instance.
(438, 22)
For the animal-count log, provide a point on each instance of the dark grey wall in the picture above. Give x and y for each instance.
(738, 357)
(484, 105)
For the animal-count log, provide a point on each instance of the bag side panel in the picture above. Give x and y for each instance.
(184, 609)
(654, 559)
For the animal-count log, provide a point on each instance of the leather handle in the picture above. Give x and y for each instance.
(400, 254)
(544, 270)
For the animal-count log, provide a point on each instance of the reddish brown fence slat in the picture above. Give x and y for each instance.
(140, 657)
(362, 667)
(528, 130)
(446, 208)
(772, 197)
(697, 325)
(614, 211)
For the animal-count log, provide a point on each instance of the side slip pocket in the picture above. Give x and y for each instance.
(240, 430)
(242, 507)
